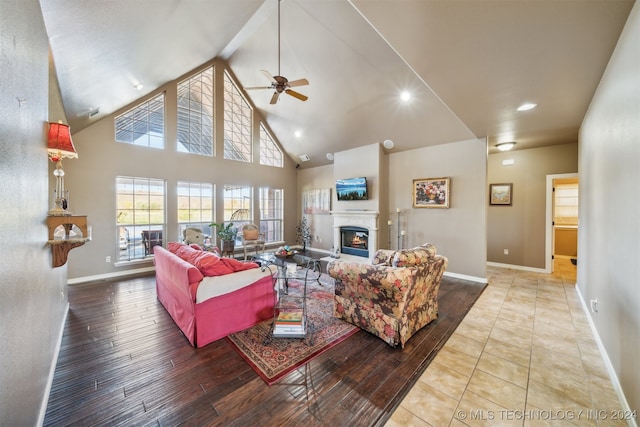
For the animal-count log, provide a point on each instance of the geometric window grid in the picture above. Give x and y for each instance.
(566, 204)
(272, 213)
(142, 125)
(237, 206)
(195, 206)
(195, 114)
(270, 154)
(237, 123)
(140, 207)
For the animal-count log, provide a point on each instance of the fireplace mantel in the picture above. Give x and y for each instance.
(365, 219)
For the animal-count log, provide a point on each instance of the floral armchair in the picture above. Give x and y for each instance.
(392, 298)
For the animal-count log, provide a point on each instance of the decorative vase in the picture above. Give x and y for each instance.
(227, 246)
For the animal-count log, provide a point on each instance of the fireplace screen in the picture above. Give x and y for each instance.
(354, 241)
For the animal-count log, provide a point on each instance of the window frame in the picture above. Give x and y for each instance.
(198, 204)
(130, 214)
(141, 116)
(271, 224)
(197, 92)
(237, 121)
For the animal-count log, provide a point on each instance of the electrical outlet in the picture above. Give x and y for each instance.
(506, 251)
(108, 259)
(594, 305)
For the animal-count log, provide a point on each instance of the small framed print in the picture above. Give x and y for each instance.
(500, 194)
(431, 192)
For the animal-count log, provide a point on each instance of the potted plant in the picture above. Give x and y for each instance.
(226, 236)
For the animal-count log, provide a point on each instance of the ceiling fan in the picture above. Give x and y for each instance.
(280, 83)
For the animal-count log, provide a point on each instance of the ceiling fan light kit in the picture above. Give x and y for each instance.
(280, 83)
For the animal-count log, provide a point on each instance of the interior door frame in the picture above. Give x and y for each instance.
(548, 247)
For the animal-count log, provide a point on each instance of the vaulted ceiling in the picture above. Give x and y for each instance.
(468, 64)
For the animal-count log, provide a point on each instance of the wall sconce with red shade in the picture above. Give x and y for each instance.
(59, 146)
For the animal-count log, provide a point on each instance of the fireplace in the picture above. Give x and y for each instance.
(365, 224)
(354, 241)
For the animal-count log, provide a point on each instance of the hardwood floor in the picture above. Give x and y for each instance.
(123, 361)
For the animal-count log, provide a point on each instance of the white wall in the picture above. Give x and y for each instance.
(33, 300)
(609, 232)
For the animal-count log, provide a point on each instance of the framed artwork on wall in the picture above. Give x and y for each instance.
(500, 194)
(431, 192)
(316, 201)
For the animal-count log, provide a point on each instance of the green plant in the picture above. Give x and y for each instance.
(225, 232)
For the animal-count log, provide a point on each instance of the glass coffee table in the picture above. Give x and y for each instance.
(310, 267)
(290, 309)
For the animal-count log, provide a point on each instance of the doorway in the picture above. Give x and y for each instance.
(562, 220)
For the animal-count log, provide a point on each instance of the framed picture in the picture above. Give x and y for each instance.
(500, 194)
(316, 201)
(431, 192)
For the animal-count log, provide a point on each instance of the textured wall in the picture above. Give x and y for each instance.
(32, 294)
(609, 233)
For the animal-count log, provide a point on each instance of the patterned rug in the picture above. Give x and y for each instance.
(279, 356)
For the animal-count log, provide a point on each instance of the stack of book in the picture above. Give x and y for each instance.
(289, 323)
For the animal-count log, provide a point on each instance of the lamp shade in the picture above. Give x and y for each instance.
(59, 142)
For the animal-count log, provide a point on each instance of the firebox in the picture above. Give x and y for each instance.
(354, 241)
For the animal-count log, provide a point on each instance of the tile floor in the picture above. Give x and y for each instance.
(523, 356)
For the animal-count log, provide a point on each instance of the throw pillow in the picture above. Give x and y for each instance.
(251, 234)
(211, 265)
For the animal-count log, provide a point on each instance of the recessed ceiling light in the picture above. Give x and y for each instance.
(505, 146)
(405, 95)
(298, 134)
(330, 156)
(388, 144)
(527, 106)
(138, 86)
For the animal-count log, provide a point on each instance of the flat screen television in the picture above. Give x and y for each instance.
(352, 189)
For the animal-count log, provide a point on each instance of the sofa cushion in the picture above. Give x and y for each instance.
(383, 257)
(415, 256)
(211, 265)
(251, 234)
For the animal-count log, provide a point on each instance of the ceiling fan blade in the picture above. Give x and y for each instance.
(295, 94)
(258, 87)
(269, 76)
(300, 82)
(274, 98)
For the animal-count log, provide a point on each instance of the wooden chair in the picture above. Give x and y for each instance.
(252, 239)
(151, 238)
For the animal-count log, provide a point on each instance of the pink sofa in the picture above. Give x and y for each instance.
(230, 296)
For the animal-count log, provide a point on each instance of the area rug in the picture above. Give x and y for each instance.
(279, 356)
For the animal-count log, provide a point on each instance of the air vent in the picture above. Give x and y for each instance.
(305, 158)
(94, 113)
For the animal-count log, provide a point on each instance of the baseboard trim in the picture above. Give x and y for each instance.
(109, 276)
(52, 369)
(465, 277)
(517, 267)
(607, 362)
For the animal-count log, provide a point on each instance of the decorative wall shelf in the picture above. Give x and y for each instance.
(60, 247)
